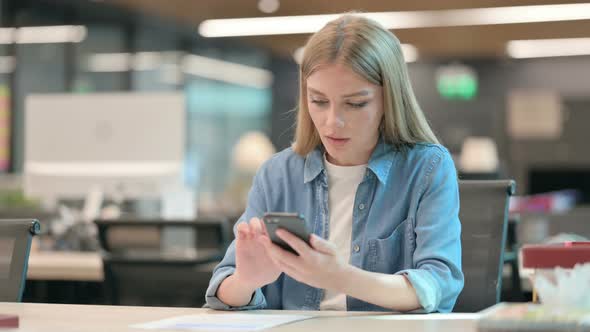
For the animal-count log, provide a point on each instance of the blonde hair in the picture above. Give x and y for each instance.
(375, 54)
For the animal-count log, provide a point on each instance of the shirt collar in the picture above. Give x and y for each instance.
(379, 163)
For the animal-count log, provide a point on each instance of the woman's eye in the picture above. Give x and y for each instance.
(357, 105)
(319, 102)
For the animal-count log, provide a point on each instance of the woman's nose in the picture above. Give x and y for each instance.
(335, 118)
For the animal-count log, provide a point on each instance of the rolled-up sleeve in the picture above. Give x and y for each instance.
(255, 208)
(437, 276)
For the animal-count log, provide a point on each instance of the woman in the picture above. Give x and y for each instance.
(376, 188)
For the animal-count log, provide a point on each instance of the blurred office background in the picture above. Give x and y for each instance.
(506, 89)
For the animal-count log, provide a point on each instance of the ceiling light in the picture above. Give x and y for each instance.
(227, 71)
(146, 61)
(410, 52)
(121, 62)
(43, 34)
(257, 26)
(50, 34)
(298, 54)
(548, 47)
(280, 25)
(197, 65)
(268, 6)
(108, 62)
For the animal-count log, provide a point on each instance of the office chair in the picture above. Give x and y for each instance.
(15, 245)
(484, 219)
(138, 270)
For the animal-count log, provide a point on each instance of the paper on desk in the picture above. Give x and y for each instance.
(221, 322)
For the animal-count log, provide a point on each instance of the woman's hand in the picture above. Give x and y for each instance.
(320, 266)
(254, 267)
(317, 265)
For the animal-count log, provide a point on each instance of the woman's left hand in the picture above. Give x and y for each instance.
(318, 265)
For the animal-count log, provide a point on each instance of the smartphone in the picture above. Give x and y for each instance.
(291, 222)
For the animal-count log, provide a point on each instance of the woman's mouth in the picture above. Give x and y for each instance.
(337, 141)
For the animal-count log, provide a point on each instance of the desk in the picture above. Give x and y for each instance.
(65, 318)
(62, 265)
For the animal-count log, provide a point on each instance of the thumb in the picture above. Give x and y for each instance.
(322, 245)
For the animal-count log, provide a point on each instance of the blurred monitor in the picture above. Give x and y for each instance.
(543, 180)
(126, 144)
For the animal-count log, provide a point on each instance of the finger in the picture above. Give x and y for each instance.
(250, 230)
(294, 242)
(267, 245)
(255, 226)
(265, 242)
(263, 226)
(283, 265)
(243, 230)
(322, 245)
(281, 255)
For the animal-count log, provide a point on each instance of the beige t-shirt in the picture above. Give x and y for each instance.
(343, 182)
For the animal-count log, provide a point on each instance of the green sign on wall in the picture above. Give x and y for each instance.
(456, 82)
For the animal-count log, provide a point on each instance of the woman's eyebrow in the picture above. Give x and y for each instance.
(357, 94)
(316, 91)
(364, 92)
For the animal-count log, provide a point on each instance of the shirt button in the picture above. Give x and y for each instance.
(361, 206)
(356, 248)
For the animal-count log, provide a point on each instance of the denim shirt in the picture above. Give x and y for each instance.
(405, 221)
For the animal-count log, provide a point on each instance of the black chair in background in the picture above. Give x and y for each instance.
(138, 270)
(484, 219)
(15, 244)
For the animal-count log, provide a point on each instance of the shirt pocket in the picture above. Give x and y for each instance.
(394, 252)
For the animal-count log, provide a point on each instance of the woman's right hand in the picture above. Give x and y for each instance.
(254, 267)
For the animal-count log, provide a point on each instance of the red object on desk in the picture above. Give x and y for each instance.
(10, 321)
(547, 256)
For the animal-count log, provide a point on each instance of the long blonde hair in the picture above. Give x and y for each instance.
(375, 54)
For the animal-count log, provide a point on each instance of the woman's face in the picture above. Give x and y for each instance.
(346, 110)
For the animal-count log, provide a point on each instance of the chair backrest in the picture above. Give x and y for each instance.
(139, 271)
(484, 220)
(208, 232)
(15, 244)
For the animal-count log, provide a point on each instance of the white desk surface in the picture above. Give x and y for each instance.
(66, 318)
